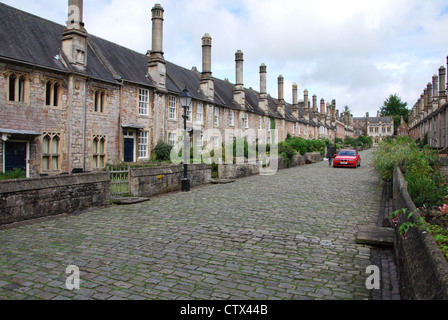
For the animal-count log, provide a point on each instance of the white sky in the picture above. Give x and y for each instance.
(357, 52)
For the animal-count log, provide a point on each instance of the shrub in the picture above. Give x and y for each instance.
(287, 153)
(298, 144)
(162, 151)
(16, 174)
(425, 183)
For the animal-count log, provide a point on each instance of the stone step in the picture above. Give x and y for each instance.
(377, 236)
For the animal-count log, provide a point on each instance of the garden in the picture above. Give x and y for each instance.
(426, 185)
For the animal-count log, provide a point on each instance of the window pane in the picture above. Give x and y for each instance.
(46, 145)
(54, 163)
(144, 102)
(102, 102)
(143, 145)
(95, 162)
(55, 145)
(45, 163)
(95, 146)
(22, 89)
(48, 93)
(172, 109)
(101, 145)
(200, 113)
(55, 94)
(12, 87)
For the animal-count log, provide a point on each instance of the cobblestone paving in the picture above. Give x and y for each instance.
(287, 236)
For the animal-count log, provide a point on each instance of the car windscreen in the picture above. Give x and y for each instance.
(347, 153)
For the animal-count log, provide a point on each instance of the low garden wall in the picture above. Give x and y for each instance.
(235, 171)
(147, 182)
(25, 199)
(423, 270)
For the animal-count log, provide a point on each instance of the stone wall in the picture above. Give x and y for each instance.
(235, 171)
(147, 182)
(26, 199)
(423, 270)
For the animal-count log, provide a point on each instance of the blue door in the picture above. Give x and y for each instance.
(128, 150)
(15, 156)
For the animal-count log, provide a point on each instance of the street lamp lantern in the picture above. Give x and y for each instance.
(185, 98)
(185, 101)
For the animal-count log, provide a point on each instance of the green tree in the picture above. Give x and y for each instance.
(395, 108)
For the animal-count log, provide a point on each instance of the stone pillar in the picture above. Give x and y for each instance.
(239, 94)
(207, 84)
(295, 90)
(263, 102)
(305, 104)
(322, 107)
(156, 63)
(206, 56)
(280, 81)
(157, 32)
(442, 85)
(75, 14)
(281, 97)
(295, 101)
(429, 97)
(74, 37)
(435, 92)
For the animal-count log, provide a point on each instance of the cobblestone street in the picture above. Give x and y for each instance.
(287, 236)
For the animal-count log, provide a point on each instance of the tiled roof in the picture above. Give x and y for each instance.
(35, 41)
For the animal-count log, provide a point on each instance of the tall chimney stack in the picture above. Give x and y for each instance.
(295, 101)
(156, 63)
(322, 108)
(442, 85)
(306, 108)
(207, 84)
(239, 94)
(263, 102)
(281, 82)
(281, 97)
(74, 37)
(314, 106)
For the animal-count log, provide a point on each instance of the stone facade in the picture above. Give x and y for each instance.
(428, 117)
(378, 128)
(72, 101)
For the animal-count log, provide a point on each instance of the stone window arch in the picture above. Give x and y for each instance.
(53, 93)
(18, 87)
(51, 144)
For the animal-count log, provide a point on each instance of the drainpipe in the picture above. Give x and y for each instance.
(84, 126)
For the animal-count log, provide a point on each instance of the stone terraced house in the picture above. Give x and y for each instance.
(378, 128)
(73, 101)
(428, 118)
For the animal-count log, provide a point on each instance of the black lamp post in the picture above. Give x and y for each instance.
(185, 101)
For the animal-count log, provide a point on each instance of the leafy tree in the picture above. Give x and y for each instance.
(395, 108)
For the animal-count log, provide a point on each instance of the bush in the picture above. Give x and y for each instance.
(300, 145)
(425, 184)
(162, 151)
(16, 174)
(287, 153)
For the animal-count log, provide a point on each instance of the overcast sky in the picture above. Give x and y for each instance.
(357, 52)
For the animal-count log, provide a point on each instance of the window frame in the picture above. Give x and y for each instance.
(172, 108)
(143, 141)
(99, 156)
(50, 155)
(200, 115)
(143, 102)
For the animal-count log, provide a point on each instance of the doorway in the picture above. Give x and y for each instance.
(129, 145)
(15, 156)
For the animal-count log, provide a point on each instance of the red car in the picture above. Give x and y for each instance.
(347, 158)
